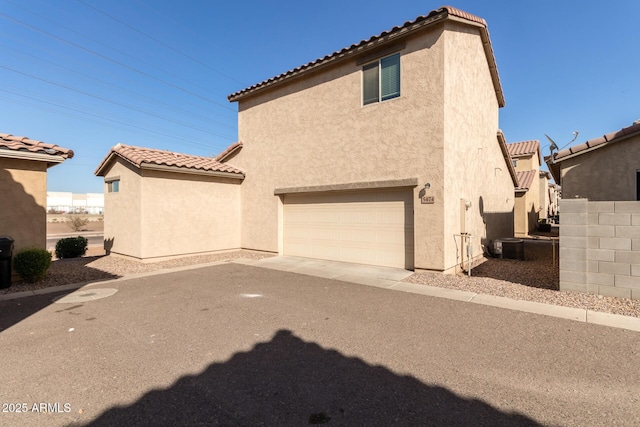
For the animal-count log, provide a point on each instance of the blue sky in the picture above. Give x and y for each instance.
(87, 74)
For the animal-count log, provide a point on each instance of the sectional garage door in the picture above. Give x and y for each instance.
(365, 227)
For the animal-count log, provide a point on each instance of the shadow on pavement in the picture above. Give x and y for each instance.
(287, 381)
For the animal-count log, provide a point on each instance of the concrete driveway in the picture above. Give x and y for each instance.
(236, 344)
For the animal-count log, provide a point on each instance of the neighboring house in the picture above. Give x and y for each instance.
(531, 189)
(555, 194)
(159, 203)
(23, 180)
(601, 169)
(600, 181)
(382, 153)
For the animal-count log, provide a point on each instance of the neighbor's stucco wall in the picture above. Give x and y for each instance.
(527, 163)
(474, 164)
(23, 204)
(188, 214)
(315, 131)
(122, 211)
(605, 174)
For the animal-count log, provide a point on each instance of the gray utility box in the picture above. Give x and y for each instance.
(509, 248)
(6, 254)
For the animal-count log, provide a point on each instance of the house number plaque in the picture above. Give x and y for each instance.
(427, 200)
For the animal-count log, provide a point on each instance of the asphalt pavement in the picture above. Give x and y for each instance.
(237, 344)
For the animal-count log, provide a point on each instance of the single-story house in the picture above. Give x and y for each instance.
(601, 169)
(160, 203)
(23, 180)
(386, 152)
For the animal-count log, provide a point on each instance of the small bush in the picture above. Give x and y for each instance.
(71, 247)
(77, 223)
(32, 264)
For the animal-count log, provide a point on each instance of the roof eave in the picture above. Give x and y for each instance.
(191, 171)
(507, 158)
(50, 159)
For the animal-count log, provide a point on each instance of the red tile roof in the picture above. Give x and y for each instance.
(139, 157)
(22, 143)
(525, 179)
(524, 149)
(598, 142)
(229, 150)
(393, 34)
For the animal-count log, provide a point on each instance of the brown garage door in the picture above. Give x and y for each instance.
(365, 227)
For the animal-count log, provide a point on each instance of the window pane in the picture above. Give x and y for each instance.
(370, 92)
(390, 83)
(116, 186)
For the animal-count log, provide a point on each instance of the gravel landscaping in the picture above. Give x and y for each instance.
(534, 279)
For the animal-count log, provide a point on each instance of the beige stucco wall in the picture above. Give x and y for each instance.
(605, 174)
(527, 163)
(474, 164)
(23, 203)
(315, 131)
(122, 211)
(160, 214)
(543, 191)
(188, 214)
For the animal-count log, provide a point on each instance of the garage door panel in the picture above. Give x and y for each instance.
(370, 227)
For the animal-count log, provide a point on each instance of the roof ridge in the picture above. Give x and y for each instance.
(433, 16)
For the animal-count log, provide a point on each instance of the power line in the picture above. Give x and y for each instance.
(101, 119)
(157, 101)
(114, 61)
(197, 61)
(57, 24)
(108, 100)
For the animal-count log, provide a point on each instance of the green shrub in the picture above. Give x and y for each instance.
(71, 247)
(32, 264)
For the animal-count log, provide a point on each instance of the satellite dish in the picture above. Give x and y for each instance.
(554, 146)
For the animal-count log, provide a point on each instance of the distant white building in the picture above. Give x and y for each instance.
(67, 202)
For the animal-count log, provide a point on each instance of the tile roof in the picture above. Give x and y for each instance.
(525, 179)
(22, 143)
(392, 34)
(598, 142)
(139, 157)
(228, 151)
(523, 148)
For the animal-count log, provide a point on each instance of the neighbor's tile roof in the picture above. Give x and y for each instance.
(138, 156)
(393, 34)
(229, 150)
(525, 179)
(22, 143)
(523, 148)
(598, 142)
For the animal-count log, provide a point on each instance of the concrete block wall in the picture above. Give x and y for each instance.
(600, 247)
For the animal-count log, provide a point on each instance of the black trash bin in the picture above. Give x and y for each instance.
(6, 252)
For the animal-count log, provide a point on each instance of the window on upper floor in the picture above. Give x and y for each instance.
(515, 163)
(113, 186)
(381, 80)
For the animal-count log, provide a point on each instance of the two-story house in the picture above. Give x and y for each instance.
(531, 192)
(380, 153)
(386, 152)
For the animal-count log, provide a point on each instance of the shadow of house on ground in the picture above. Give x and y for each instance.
(290, 382)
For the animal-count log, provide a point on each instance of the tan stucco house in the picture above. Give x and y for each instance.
(601, 169)
(161, 204)
(23, 182)
(382, 153)
(531, 192)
